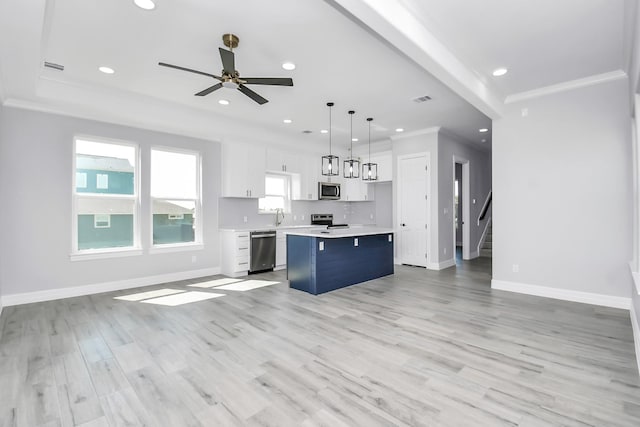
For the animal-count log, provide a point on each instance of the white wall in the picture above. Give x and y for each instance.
(479, 186)
(562, 202)
(3, 196)
(36, 182)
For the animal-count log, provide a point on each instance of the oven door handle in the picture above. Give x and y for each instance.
(261, 236)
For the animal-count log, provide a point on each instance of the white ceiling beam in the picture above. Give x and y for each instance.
(395, 23)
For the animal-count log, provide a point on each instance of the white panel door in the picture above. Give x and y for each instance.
(412, 214)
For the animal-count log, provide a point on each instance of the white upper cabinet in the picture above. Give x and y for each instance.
(243, 169)
(357, 190)
(283, 161)
(384, 160)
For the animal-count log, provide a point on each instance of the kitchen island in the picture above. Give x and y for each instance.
(320, 261)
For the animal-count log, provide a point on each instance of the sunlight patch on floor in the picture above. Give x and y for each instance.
(183, 298)
(213, 283)
(149, 294)
(246, 285)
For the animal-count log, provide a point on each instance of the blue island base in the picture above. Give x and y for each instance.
(317, 265)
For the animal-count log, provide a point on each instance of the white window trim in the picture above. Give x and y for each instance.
(198, 243)
(84, 179)
(90, 254)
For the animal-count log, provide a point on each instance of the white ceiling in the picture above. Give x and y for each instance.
(341, 51)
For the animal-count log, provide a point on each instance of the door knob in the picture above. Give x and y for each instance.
(403, 224)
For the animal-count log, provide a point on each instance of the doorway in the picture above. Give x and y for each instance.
(461, 209)
(413, 209)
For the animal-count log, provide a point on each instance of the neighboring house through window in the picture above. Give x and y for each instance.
(105, 197)
(175, 197)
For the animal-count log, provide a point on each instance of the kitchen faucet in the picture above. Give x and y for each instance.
(279, 219)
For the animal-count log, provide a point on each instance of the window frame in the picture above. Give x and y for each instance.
(198, 243)
(77, 254)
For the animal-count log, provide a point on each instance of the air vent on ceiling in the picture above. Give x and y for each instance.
(54, 66)
(307, 131)
(422, 99)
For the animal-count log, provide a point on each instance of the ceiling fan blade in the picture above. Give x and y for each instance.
(208, 90)
(177, 67)
(228, 61)
(275, 81)
(251, 94)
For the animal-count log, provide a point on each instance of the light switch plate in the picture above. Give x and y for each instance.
(321, 246)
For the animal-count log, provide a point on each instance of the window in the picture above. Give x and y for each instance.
(277, 193)
(105, 200)
(102, 181)
(175, 197)
(102, 221)
(81, 180)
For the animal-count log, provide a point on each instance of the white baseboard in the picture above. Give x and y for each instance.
(562, 294)
(442, 264)
(636, 334)
(97, 288)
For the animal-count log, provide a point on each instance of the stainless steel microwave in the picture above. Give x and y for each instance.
(328, 191)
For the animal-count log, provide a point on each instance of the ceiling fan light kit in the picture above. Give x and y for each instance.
(369, 170)
(351, 167)
(330, 163)
(230, 77)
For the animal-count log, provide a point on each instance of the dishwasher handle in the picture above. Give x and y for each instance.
(260, 236)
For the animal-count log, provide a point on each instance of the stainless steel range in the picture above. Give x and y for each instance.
(326, 219)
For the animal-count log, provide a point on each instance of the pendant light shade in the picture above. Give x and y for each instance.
(330, 163)
(351, 167)
(369, 170)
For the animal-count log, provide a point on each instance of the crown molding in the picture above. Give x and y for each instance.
(565, 86)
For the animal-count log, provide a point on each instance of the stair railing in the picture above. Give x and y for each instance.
(485, 207)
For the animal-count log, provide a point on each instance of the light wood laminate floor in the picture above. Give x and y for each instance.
(417, 348)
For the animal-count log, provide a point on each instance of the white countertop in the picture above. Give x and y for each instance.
(336, 233)
(287, 228)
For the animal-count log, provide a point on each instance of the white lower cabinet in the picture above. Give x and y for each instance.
(235, 253)
(281, 249)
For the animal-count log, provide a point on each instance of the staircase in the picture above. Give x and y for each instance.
(488, 244)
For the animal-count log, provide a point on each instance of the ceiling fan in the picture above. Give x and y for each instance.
(230, 77)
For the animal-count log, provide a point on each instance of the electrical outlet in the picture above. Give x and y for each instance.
(301, 217)
(295, 217)
(246, 219)
(525, 112)
(445, 251)
(516, 268)
(194, 259)
(345, 216)
(370, 216)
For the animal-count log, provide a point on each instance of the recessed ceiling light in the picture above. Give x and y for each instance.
(354, 139)
(287, 121)
(324, 131)
(500, 72)
(106, 70)
(223, 102)
(289, 66)
(145, 4)
(399, 130)
(483, 130)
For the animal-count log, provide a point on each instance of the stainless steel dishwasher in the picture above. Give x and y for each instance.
(263, 250)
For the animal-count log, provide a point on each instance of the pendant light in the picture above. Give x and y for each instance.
(330, 163)
(351, 167)
(370, 170)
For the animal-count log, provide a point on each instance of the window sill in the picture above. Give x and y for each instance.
(176, 247)
(103, 254)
